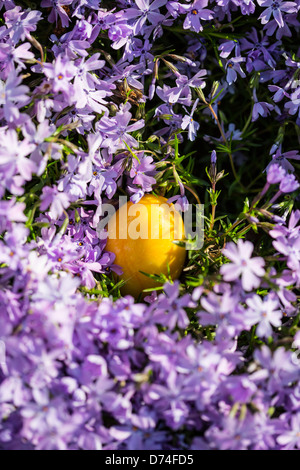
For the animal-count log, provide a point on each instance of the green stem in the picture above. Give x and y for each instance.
(226, 143)
(212, 220)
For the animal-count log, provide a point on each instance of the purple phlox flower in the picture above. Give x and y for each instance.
(259, 51)
(106, 19)
(139, 170)
(231, 433)
(293, 106)
(176, 8)
(85, 82)
(51, 300)
(279, 93)
(57, 201)
(285, 295)
(290, 22)
(13, 96)
(38, 266)
(290, 247)
(181, 202)
(55, 424)
(11, 211)
(225, 8)
(81, 230)
(169, 400)
(195, 12)
(83, 5)
(170, 307)
(183, 84)
(275, 369)
(119, 33)
(69, 47)
(42, 150)
(132, 73)
(247, 7)
(231, 134)
(58, 11)
(84, 67)
(116, 129)
(21, 23)
(233, 68)
(84, 271)
(144, 11)
(227, 47)
(282, 158)
(136, 193)
(61, 72)
(250, 269)
(94, 155)
(263, 312)
(223, 311)
(188, 122)
(74, 182)
(289, 439)
(276, 8)
(15, 168)
(167, 114)
(289, 183)
(140, 434)
(141, 50)
(196, 48)
(103, 180)
(93, 100)
(260, 108)
(83, 31)
(10, 55)
(275, 173)
(239, 388)
(83, 118)
(290, 231)
(7, 4)
(61, 250)
(157, 29)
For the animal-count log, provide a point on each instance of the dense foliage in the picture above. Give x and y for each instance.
(198, 101)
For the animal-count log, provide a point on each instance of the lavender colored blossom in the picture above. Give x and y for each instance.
(276, 8)
(196, 11)
(250, 269)
(183, 84)
(233, 68)
(263, 312)
(289, 438)
(58, 11)
(144, 11)
(13, 96)
(116, 129)
(61, 72)
(293, 106)
(261, 108)
(56, 200)
(275, 173)
(15, 167)
(139, 170)
(10, 55)
(289, 183)
(21, 23)
(189, 123)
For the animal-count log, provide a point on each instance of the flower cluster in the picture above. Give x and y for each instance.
(95, 101)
